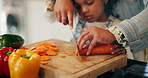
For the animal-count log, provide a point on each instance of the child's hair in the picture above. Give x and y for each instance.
(108, 8)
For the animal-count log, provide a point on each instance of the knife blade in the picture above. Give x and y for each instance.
(75, 43)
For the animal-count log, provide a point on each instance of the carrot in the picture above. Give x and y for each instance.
(76, 52)
(51, 53)
(62, 56)
(70, 54)
(45, 48)
(42, 53)
(44, 62)
(53, 48)
(40, 49)
(46, 44)
(32, 48)
(99, 49)
(45, 58)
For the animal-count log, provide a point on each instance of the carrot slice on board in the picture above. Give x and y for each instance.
(45, 58)
(40, 49)
(53, 48)
(76, 51)
(42, 53)
(51, 53)
(62, 56)
(70, 54)
(44, 62)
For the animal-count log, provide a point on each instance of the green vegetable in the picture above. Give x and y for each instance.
(11, 40)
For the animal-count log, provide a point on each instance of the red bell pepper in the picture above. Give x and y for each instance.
(4, 55)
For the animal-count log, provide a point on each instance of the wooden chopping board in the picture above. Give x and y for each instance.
(74, 67)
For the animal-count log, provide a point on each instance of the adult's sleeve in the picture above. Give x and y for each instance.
(134, 30)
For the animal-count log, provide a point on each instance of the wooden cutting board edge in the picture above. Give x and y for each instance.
(96, 70)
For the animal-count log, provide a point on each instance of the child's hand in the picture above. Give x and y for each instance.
(114, 49)
(95, 35)
(63, 12)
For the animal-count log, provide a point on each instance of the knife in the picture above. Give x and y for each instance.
(75, 43)
(74, 40)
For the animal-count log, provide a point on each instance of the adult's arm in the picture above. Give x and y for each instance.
(135, 31)
(63, 9)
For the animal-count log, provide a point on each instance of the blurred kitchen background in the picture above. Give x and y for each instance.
(29, 19)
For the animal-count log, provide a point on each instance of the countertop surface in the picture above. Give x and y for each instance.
(133, 69)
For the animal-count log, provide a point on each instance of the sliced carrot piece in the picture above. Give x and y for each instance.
(49, 44)
(32, 48)
(76, 52)
(45, 58)
(62, 56)
(40, 49)
(53, 48)
(42, 53)
(70, 54)
(51, 53)
(44, 62)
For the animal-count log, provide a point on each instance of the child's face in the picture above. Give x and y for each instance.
(91, 10)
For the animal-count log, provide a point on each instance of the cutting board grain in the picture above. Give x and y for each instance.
(74, 67)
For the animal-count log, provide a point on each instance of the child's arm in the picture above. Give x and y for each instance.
(95, 35)
(135, 31)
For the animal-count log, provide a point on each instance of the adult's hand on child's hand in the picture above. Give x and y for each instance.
(119, 51)
(64, 11)
(95, 35)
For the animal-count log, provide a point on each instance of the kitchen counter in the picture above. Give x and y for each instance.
(133, 69)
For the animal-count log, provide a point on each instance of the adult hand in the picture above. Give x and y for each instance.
(95, 35)
(117, 49)
(64, 11)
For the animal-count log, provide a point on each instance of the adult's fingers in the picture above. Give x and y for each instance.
(119, 51)
(115, 46)
(64, 18)
(70, 19)
(59, 16)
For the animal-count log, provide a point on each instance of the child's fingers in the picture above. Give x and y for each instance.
(91, 46)
(81, 36)
(84, 40)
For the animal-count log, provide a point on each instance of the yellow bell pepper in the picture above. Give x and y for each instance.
(24, 64)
